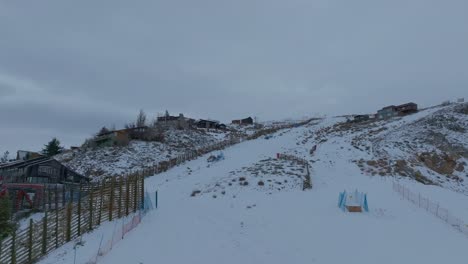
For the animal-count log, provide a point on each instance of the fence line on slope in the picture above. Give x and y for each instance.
(434, 208)
(193, 154)
(307, 183)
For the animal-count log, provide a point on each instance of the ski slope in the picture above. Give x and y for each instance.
(248, 225)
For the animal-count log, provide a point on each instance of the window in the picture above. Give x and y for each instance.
(48, 171)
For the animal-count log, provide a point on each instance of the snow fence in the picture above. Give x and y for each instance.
(121, 228)
(431, 207)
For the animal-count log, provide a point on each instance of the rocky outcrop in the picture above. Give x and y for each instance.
(443, 163)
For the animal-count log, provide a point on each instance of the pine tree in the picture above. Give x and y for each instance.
(6, 226)
(52, 148)
(103, 130)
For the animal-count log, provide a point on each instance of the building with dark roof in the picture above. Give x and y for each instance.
(246, 121)
(42, 170)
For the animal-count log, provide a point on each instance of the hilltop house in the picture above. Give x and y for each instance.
(119, 137)
(246, 121)
(361, 118)
(206, 123)
(179, 122)
(392, 110)
(406, 109)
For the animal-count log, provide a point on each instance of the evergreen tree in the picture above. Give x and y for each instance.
(6, 226)
(103, 130)
(52, 148)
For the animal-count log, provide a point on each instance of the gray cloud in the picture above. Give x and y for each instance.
(69, 67)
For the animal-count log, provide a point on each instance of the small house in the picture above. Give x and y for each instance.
(387, 112)
(209, 124)
(121, 136)
(27, 155)
(179, 122)
(246, 121)
(406, 109)
(361, 118)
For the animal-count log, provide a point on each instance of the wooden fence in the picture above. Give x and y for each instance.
(97, 203)
(307, 183)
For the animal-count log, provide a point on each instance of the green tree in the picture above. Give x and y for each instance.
(6, 226)
(104, 130)
(52, 148)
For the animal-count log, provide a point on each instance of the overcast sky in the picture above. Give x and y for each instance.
(70, 67)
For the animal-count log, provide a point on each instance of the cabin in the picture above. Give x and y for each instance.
(42, 170)
(398, 110)
(178, 122)
(406, 109)
(120, 137)
(361, 118)
(387, 112)
(246, 121)
(210, 124)
(27, 155)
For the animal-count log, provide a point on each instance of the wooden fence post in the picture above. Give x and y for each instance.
(91, 208)
(119, 213)
(111, 199)
(79, 209)
(135, 193)
(101, 195)
(63, 197)
(69, 222)
(56, 218)
(44, 233)
(30, 240)
(142, 192)
(127, 194)
(13, 248)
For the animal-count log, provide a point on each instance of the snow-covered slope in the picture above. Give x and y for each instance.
(430, 146)
(241, 223)
(110, 161)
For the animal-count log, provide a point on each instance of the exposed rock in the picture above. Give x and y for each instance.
(441, 163)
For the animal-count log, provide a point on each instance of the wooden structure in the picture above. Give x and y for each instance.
(361, 118)
(353, 202)
(210, 124)
(24, 155)
(246, 121)
(95, 204)
(307, 180)
(406, 109)
(399, 110)
(41, 170)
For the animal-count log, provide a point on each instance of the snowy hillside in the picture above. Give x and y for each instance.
(430, 146)
(208, 214)
(110, 161)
